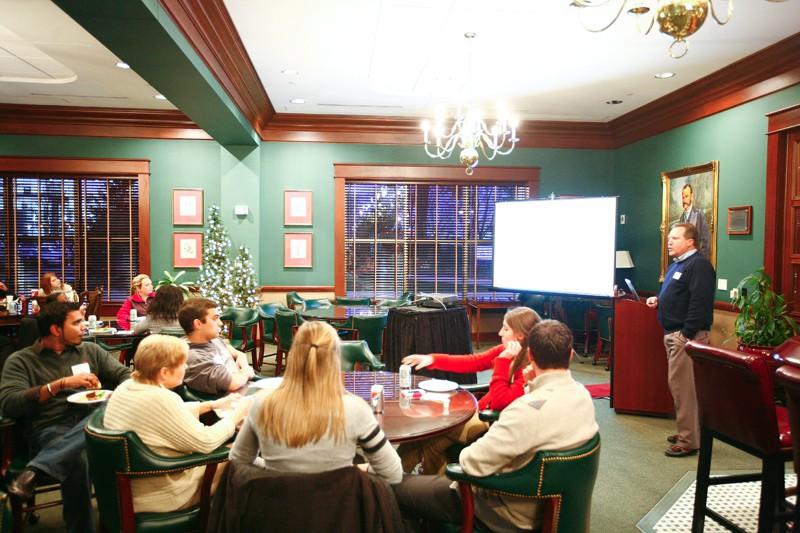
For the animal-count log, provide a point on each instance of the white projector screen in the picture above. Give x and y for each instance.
(556, 246)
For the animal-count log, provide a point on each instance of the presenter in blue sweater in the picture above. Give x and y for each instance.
(685, 310)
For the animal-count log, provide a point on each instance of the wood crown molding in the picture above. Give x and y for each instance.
(17, 119)
(208, 27)
(298, 288)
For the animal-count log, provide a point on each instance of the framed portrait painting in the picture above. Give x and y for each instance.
(187, 250)
(690, 195)
(297, 208)
(298, 250)
(187, 207)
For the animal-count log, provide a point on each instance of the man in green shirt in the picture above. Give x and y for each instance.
(35, 384)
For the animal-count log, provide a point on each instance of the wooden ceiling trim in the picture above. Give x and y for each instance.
(17, 119)
(208, 27)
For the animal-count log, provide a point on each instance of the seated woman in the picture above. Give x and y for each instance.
(508, 359)
(142, 289)
(166, 424)
(163, 311)
(50, 283)
(310, 423)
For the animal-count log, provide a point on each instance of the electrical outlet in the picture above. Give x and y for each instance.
(622, 219)
(722, 284)
(734, 293)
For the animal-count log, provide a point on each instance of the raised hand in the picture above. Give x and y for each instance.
(418, 361)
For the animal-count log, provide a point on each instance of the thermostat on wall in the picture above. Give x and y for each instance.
(240, 210)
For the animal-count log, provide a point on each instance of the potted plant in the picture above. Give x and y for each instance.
(763, 321)
(169, 279)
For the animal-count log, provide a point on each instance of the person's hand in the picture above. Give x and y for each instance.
(652, 302)
(240, 409)
(418, 361)
(511, 350)
(364, 467)
(528, 373)
(226, 402)
(81, 381)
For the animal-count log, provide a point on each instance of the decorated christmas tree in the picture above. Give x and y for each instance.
(215, 272)
(244, 284)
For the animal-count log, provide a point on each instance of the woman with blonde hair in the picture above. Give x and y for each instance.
(146, 405)
(508, 359)
(51, 284)
(310, 423)
(142, 295)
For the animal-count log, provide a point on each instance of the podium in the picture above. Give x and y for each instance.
(639, 377)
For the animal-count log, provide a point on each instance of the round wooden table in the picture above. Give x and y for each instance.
(342, 312)
(423, 419)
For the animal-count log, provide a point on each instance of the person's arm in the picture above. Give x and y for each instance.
(241, 361)
(502, 390)
(204, 375)
(245, 447)
(702, 283)
(124, 314)
(182, 430)
(466, 363)
(383, 459)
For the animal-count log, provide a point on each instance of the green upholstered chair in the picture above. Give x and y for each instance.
(173, 332)
(125, 349)
(342, 300)
(285, 321)
(371, 329)
(356, 355)
(295, 301)
(244, 332)
(563, 482)
(266, 312)
(117, 456)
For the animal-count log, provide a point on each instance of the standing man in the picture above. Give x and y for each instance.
(697, 218)
(35, 385)
(685, 311)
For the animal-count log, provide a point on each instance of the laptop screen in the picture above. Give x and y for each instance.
(632, 291)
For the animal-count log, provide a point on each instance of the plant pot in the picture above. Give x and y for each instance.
(756, 350)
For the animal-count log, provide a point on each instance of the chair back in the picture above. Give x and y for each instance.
(789, 351)
(370, 329)
(107, 452)
(735, 397)
(294, 300)
(789, 377)
(343, 300)
(357, 354)
(284, 321)
(238, 318)
(93, 300)
(267, 313)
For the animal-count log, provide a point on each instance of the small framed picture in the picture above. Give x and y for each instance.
(187, 250)
(297, 208)
(740, 220)
(298, 250)
(187, 207)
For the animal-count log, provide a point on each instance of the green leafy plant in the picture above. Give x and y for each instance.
(762, 320)
(169, 279)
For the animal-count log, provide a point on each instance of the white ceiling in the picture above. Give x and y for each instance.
(46, 58)
(406, 57)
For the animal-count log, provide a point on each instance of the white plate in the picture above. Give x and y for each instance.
(438, 385)
(267, 383)
(80, 397)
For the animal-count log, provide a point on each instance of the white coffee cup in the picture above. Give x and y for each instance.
(92, 321)
(9, 301)
(133, 315)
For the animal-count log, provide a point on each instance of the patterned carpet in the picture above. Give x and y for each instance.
(737, 502)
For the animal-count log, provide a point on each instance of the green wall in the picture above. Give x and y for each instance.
(736, 138)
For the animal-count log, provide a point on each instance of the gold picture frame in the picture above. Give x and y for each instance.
(700, 184)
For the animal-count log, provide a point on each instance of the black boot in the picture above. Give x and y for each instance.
(23, 486)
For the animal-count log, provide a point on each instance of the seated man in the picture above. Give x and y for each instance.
(35, 385)
(214, 367)
(555, 413)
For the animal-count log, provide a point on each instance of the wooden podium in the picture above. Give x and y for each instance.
(639, 375)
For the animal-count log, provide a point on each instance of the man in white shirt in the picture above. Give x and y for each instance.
(555, 413)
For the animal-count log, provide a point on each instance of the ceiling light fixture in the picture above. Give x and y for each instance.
(470, 133)
(664, 75)
(677, 18)
(123, 65)
(160, 97)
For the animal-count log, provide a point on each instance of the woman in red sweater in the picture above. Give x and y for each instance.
(507, 360)
(142, 289)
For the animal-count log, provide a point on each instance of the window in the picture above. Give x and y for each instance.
(435, 236)
(86, 228)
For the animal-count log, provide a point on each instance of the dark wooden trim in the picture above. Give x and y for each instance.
(725, 306)
(338, 235)
(139, 168)
(207, 25)
(783, 119)
(298, 288)
(18, 119)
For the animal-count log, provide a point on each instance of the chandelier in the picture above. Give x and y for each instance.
(470, 133)
(677, 18)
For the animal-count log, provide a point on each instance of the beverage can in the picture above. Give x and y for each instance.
(133, 315)
(405, 399)
(405, 376)
(376, 398)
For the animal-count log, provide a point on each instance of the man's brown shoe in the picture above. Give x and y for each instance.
(22, 486)
(673, 439)
(677, 450)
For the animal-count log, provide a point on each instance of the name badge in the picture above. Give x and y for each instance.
(677, 275)
(82, 368)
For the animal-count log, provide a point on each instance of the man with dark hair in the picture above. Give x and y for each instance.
(555, 413)
(213, 367)
(685, 310)
(696, 217)
(35, 385)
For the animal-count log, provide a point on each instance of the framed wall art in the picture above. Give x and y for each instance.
(740, 220)
(187, 250)
(690, 195)
(297, 208)
(298, 250)
(187, 207)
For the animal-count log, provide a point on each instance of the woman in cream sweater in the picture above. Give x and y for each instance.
(147, 406)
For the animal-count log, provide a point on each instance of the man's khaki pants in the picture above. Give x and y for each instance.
(680, 376)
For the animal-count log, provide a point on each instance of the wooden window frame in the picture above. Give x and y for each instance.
(348, 172)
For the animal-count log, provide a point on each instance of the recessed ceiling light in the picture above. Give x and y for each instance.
(160, 97)
(123, 65)
(664, 75)
(297, 101)
(613, 102)
(289, 72)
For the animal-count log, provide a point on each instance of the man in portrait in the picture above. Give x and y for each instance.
(695, 216)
